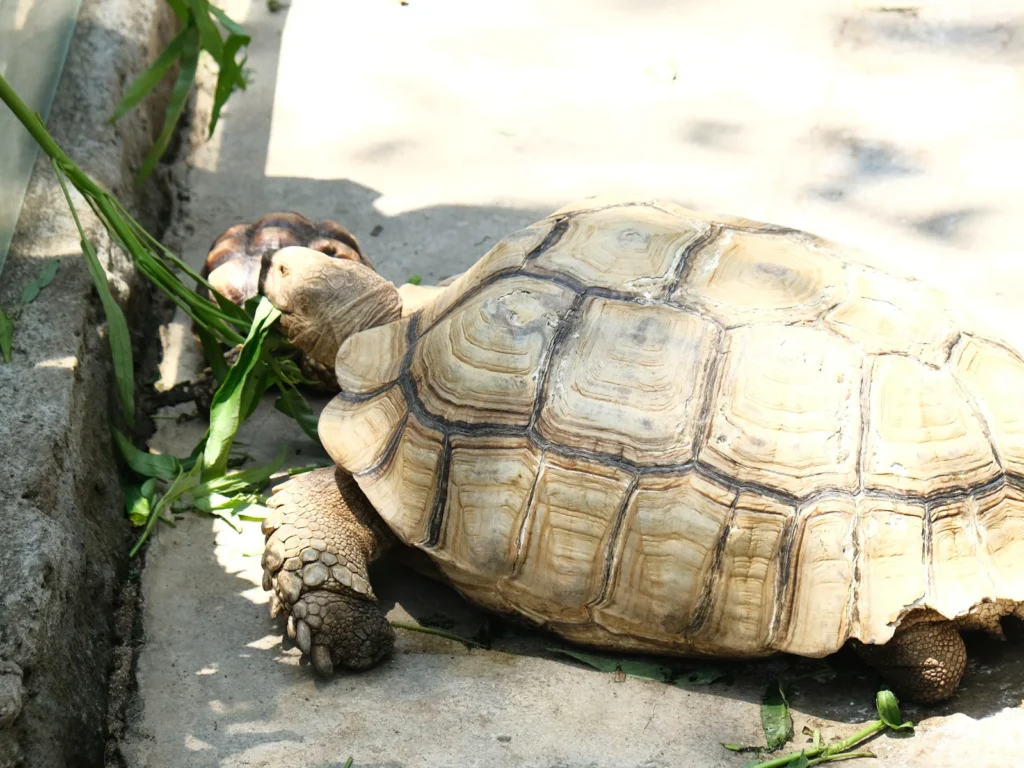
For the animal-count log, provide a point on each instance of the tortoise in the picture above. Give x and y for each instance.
(648, 429)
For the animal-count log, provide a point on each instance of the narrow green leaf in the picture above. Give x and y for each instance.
(229, 77)
(226, 413)
(437, 632)
(293, 471)
(287, 372)
(179, 8)
(182, 88)
(703, 675)
(292, 403)
(257, 384)
(197, 454)
(6, 336)
(209, 35)
(213, 353)
(227, 22)
(889, 711)
(149, 488)
(181, 485)
(137, 505)
(259, 517)
(145, 463)
(117, 327)
(630, 667)
(119, 336)
(228, 485)
(227, 519)
(415, 279)
(242, 509)
(801, 761)
(31, 291)
(148, 80)
(775, 717)
(348, 763)
(838, 758)
(245, 503)
(229, 308)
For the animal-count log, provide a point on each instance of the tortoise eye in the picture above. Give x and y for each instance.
(283, 270)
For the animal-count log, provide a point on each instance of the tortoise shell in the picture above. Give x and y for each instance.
(651, 429)
(233, 263)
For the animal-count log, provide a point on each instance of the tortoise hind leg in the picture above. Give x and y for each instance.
(320, 537)
(923, 662)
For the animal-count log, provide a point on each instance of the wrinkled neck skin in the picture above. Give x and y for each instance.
(323, 301)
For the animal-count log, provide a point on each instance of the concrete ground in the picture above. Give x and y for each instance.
(432, 129)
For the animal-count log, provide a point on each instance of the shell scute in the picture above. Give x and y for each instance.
(635, 251)
(742, 277)
(786, 410)
(635, 393)
(569, 526)
(665, 554)
(479, 363)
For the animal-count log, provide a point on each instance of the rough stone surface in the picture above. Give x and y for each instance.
(442, 126)
(60, 504)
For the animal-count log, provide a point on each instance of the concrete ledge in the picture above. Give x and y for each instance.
(64, 549)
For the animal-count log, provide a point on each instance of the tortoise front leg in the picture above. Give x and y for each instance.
(923, 662)
(321, 536)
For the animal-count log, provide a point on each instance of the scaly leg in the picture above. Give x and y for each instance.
(923, 662)
(321, 536)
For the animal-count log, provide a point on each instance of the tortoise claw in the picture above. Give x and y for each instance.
(322, 663)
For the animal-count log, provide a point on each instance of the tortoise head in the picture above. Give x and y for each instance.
(324, 300)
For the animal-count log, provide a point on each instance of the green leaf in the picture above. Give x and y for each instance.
(31, 291)
(230, 401)
(118, 333)
(633, 668)
(117, 327)
(181, 485)
(149, 79)
(415, 279)
(801, 761)
(775, 717)
(213, 353)
(293, 404)
(243, 508)
(228, 485)
(889, 711)
(703, 675)
(209, 35)
(229, 77)
(257, 384)
(197, 454)
(179, 8)
(6, 335)
(293, 471)
(145, 463)
(137, 505)
(227, 22)
(182, 88)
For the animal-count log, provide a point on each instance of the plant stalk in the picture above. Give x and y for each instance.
(34, 125)
(829, 751)
(439, 632)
